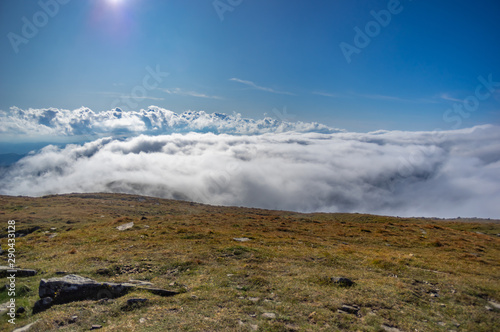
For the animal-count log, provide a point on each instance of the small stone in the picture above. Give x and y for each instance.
(96, 327)
(254, 327)
(241, 239)
(142, 320)
(73, 319)
(441, 323)
(269, 315)
(349, 309)
(25, 328)
(140, 282)
(254, 299)
(125, 226)
(388, 328)
(494, 304)
(343, 282)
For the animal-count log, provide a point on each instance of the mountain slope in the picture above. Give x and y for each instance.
(410, 274)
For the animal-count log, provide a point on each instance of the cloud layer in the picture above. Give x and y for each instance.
(154, 120)
(445, 174)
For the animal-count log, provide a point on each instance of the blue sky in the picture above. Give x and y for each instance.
(256, 56)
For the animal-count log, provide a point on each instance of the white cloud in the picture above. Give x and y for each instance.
(444, 174)
(180, 92)
(258, 87)
(374, 97)
(154, 120)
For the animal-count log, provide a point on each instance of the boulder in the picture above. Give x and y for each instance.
(73, 288)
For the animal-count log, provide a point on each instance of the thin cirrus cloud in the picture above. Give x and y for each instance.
(180, 92)
(441, 174)
(447, 97)
(258, 87)
(374, 97)
(124, 96)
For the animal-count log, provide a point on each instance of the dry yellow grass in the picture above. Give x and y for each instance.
(413, 274)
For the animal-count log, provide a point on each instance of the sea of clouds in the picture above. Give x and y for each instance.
(441, 174)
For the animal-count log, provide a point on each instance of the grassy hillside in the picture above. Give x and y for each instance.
(409, 274)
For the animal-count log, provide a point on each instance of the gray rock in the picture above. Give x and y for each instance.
(343, 282)
(349, 309)
(241, 239)
(494, 304)
(19, 272)
(3, 308)
(25, 328)
(388, 328)
(125, 226)
(42, 305)
(73, 288)
(140, 282)
(269, 315)
(96, 327)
